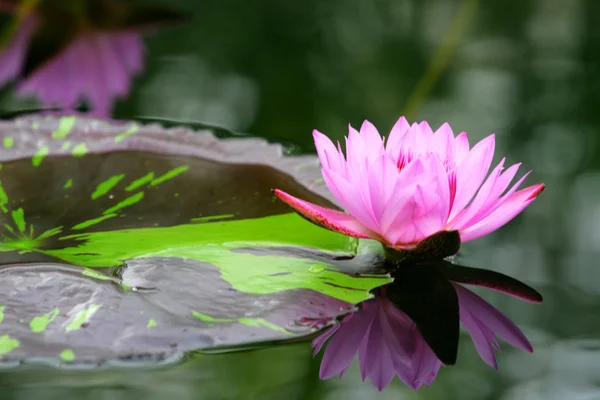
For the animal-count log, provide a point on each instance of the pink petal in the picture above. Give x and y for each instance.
(414, 141)
(471, 172)
(516, 203)
(395, 137)
(374, 354)
(354, 198)
(492, 205)
(397, 331)
(383, 176)
(372, 139)
(430, 216)
(399, 206)
(333, 220)
(342, 347)
(328, 155)
(427, 209)
(356, 153)
(465, 217)
(425, 362)
(493, 199)
(442, 143)
(461, 147)
(320, 340)
(96, 66)
(481, 336)
(426, 129)
(491, 318)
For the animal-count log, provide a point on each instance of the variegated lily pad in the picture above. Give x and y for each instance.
(127, 241)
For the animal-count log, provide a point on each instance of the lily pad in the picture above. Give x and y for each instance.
(120, 240)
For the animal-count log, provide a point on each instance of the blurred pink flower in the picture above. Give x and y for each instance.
(388, 342)
(413, 185)
(96, 66)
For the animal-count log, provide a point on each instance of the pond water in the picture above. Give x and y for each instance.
(527, 70)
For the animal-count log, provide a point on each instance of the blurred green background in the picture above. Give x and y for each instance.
(527, 70)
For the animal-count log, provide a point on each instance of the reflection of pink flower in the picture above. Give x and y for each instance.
(388, 342)
(413, 185)
(96, 66)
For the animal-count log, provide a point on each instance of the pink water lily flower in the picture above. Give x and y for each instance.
(414, 184)
(96, 67)
(388, 343)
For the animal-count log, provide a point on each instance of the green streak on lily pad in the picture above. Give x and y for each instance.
(68, 183)
(95, 274)
(80, 150)
(208, 318)
(265, 274)
(212, 218)
(90, 222)
(105, 186)
(132, 130)
(258, 322)
(169, 175)
(108, 248)
(140, 182)
(18, 216)
(254, 322)
(36, 160)
(8, 344)
(8, 142)
(125, 203)
(151, 323)
(65, 125)
(67, 355)
(39, 324)
(3, 199)
(215, 243)
(2, 313)
(82, 317)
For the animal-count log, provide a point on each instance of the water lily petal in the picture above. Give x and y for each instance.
(426, 129)
(319, 341)
(471, 172)
(342, 347)
(331, 219)
(442, 143)
(426, 363)
(372, 140)
(516, 203)
(374, 353)
(351, 197)
(395, 137)
(461, 147)
(492, 318)
(328, 155)
(383, 176)
(480, 334)
(401, 202)
(414, 142)
(498, 188)
(464, 218)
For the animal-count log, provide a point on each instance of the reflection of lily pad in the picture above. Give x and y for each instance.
(126, 241)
